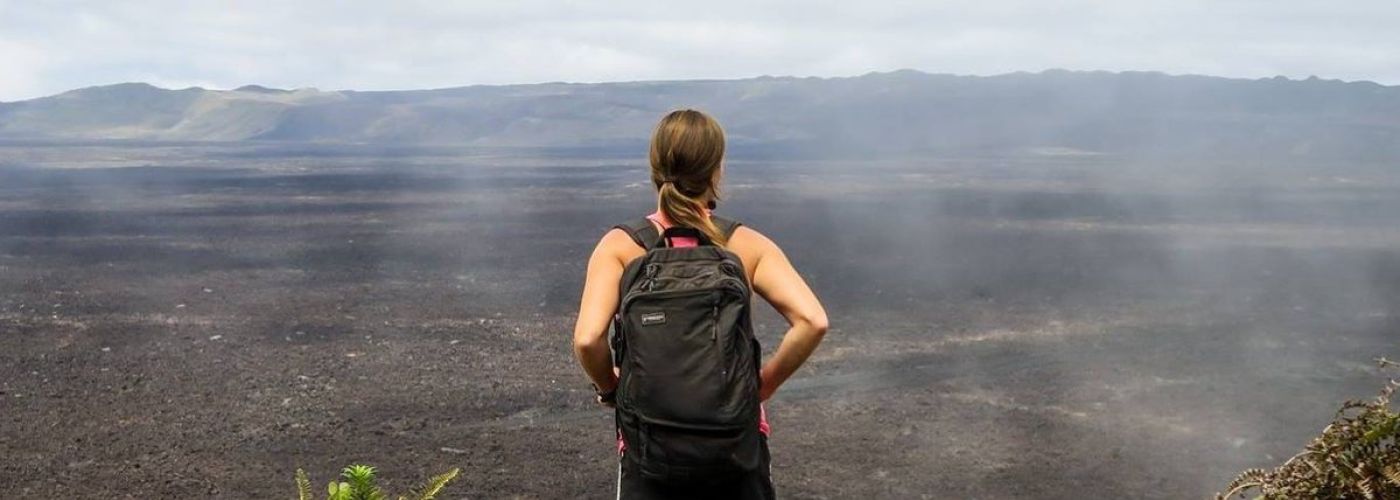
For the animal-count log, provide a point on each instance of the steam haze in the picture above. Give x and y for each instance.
(1042, 284)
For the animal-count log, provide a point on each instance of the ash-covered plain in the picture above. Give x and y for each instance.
(183, 320)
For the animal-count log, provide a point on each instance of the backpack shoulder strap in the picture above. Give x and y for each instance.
(642, 231)
(726, 225)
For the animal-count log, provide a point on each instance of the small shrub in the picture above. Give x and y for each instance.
(359, 484)
(1356, 457)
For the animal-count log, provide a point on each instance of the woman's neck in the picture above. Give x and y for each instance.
(704, 207)
(666, 221)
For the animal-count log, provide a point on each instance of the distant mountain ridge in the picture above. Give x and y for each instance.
(900, 112)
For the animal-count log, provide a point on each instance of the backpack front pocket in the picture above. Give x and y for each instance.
(681, 358)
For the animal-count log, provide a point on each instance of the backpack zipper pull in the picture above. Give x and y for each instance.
(714, 312)
(651, 277)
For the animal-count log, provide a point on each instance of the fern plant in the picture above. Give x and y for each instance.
(358, 483)
(1356, 457)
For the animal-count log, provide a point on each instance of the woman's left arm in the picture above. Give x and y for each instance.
(596, 310)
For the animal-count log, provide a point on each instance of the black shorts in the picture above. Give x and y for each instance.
(756, 485)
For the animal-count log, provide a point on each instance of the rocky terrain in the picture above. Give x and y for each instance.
(181, 320)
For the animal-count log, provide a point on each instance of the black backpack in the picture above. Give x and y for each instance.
(687, 402)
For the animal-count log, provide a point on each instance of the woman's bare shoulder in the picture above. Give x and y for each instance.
(751, 246)
(749, 238)
(615, 239)
(617, 244)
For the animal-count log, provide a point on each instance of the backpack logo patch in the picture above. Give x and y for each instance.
(653, 318)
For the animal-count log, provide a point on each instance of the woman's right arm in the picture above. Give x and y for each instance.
(777, 282)
(596, 309)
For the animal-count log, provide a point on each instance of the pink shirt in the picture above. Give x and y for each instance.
(660, 220)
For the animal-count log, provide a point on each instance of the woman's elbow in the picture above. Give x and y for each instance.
(817, 323)
(588, 343)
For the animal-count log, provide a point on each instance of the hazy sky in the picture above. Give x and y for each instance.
(51, 46)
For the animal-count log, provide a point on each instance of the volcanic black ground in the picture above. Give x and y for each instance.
(182, 321)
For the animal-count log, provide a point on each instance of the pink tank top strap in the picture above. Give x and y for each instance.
(680, 241)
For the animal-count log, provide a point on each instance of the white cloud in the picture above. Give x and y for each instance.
(49, 47)
(23, 69)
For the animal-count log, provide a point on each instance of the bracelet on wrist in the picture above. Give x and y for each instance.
(605, 397)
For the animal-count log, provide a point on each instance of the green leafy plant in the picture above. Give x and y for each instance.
(358, 483)
(1356, 457)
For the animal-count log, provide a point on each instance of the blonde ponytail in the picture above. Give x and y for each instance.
(685, 211)
(687, 149)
